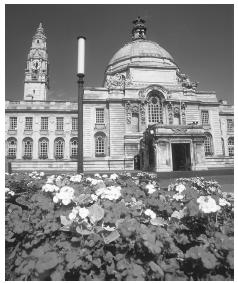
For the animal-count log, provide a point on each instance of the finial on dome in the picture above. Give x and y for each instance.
(139, 29)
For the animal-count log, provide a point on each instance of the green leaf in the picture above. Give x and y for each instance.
(47, 262)
(113, 236)
(156, 268)
(65, 221)
(96, 213)
(158, 221)
(83, 231)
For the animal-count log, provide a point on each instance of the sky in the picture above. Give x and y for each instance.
(199, 37)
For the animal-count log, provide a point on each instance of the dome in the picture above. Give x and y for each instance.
(140, 48)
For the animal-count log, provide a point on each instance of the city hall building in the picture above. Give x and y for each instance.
(147, 115)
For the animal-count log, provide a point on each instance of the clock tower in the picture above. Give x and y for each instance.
(36, 81)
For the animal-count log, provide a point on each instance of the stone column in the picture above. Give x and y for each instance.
(35, 149)
(67, 146)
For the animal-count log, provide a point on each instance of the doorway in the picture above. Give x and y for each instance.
(181, 157)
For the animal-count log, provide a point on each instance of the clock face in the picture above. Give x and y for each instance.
(36, 64)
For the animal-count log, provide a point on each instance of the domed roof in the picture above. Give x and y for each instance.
(140, 48)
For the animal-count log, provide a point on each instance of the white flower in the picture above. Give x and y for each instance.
(114, 176)
(7, 190)
(110, 193)
(72, 216)
(180, 188)
(178, 196)
(207, 204)
(151, 188)
(42, 174)
(50, 179)
(105, 176)
(94, 197)
(178, 214)
(83, 212)
(94, 182)
(150, 213)
(66, 194)
(76, 179)
(50, 188)
(55, 199)
(97, 176)
(223, 202)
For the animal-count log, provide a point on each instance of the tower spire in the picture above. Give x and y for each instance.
(139, 29)
(40, 32)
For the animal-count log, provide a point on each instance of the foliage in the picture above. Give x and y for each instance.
(117, 227)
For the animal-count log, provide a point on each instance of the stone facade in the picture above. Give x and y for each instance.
(146, 112)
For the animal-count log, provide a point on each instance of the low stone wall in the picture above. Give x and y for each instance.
(71, 166)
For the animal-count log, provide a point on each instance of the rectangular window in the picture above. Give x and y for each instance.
(13, 123)
(44, 123)
(205, 118)
(59, 123)
(230, 125)
(99, 116)
(28, 123)
(74, 124)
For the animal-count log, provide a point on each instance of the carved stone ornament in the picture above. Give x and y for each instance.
(142, 113)
(118, 81)
(183, 113)
(179, 131)
(128, 112)
(170, 112)
(176, 112)
(134, 108)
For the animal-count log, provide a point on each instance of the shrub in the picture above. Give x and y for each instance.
(117, 228)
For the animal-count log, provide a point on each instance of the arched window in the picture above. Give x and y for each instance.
(231, 146)
(59, 148)
(73, 148)
(155, 110)
(43, 148)
(100, 144)
(12, 148)
(27, 148)
(208, 145)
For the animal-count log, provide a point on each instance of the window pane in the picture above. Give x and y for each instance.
(59, 123)
(74, 124)
(155, 110)
(205, 118)
(208, 145)
(230, 125)
(74, 148)
(28, 148)
(231, 146)
(13, 123)
(28, 123)
(59, 148)
(12, 147)
(100, 147)
(99, 115)
(44, 147)
(44, 123)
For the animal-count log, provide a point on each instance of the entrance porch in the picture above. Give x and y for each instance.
(174, 148)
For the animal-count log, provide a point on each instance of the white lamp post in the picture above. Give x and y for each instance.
(80, 74)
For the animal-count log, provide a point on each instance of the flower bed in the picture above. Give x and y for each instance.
(117, 227)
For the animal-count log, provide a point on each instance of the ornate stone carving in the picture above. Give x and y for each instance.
(128, 112)
(142, 113)
(118, 81)
(179, 131)
(187, 83)
(170, 112)
(176, 112)
(134, 108)
(183, 113)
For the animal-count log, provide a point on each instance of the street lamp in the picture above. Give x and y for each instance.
(80, 75)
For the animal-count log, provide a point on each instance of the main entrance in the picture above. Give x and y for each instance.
(181, 156)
